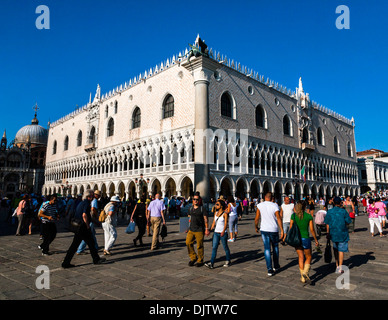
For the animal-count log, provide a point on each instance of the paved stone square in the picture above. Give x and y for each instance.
(136, 273)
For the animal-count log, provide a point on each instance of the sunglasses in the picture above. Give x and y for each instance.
(196, 199)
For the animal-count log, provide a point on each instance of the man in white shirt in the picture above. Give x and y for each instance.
(286, 210)
(269, 228)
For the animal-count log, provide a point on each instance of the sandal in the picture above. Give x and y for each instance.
(107, 253)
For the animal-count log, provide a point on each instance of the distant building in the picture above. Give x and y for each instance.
(22, 161)
(375, 153)
(372, 170)
(146, 135)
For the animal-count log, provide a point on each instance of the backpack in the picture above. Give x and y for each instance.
(103, 214)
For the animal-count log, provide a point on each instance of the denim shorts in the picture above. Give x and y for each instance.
(341, 246)
(306, 243)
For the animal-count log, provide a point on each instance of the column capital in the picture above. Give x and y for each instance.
(202, 68)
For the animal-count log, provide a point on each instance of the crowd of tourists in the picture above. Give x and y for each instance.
(83, 214)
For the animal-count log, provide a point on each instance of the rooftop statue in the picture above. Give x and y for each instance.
(197, 52)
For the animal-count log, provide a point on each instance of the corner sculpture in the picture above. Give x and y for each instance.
(197, 52)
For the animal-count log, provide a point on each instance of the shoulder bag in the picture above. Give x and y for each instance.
(293, 237)
(328, 254)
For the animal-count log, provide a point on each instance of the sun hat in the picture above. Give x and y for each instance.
(115, 199)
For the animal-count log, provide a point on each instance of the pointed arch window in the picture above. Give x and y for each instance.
(66, 144)
(79, 139)
(55, 147)
(226, 105)
(136, 118)
(287, 126)
(350, 149)
(110, 128)
(168, 107)
(305, 136)
(92, 135)
(260, 117)
(320, 137)
(336, 145)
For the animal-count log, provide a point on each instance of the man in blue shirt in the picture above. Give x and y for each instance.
(336, 221)
(155, 213)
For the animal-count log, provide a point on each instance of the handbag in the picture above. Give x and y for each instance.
(293, 237)
(352, 215)
(131, 228)
(163, 232)
(75, 225)
(328, 254)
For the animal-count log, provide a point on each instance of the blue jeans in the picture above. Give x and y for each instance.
(82, 246)
(233, 220)
(271, 238)
(216, 241)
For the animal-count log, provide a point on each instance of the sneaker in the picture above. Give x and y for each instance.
(191, 263)
(209, 265)
(227, 264)
(39, 247)
(271, 272)
(46, 254)
(230, 240)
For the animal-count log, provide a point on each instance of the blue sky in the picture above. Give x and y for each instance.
(110, 42)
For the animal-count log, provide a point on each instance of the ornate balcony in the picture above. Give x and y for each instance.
(308, 147)
(90, 147)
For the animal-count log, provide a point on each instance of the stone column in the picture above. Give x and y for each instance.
(201, 69)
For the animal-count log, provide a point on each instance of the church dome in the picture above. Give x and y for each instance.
(33, 133)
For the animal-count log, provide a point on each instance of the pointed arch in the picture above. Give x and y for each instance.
(110, 128)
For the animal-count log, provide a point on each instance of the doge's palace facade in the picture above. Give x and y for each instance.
(207, 124)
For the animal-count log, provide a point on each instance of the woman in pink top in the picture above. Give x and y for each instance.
(372, 211)
(382, 211)
(21, 214)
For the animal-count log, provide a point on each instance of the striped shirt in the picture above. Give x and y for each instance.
(49, 210)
